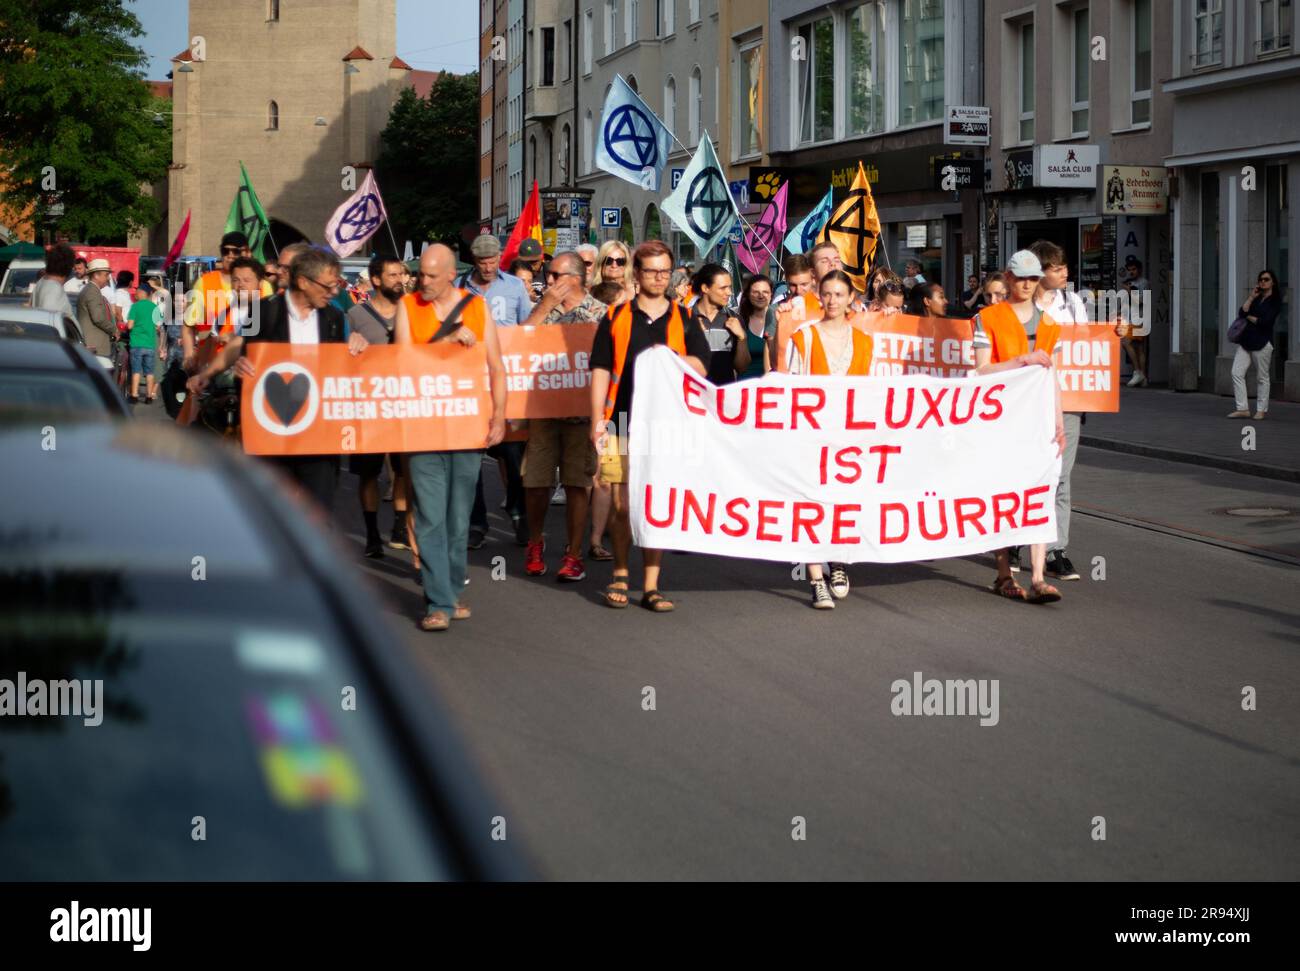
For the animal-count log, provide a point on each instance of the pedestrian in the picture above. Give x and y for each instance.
(75, 283)
(375, 320)
(970, 297)
(759, 320)
(531, 254)
(929, 300)
(209, 301)
(1135, 345)
(143, 324)
(50, 291)
(729, 350)
(993, 292)
(1256, 345)
(562, 443)
(1013, 334)
(649, 320)
(888, 295)
(831, 346)
(912, 276)
(589, 254)
(122, 296)
(798, 305)
(94, 315)
(443, 483)
(616, 267)
(523, 272)
(679, 287)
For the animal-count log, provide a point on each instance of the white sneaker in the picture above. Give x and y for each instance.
(1137, 380)
(559, 498)
(839, 581)
(821, 596)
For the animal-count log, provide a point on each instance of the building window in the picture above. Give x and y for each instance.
(586, 42)
(588, 142)
(1027, 82)
(693, 12)
(272, 9)
(920, 47)
(816, 84)
(566, 140)
(866, 31)
(1274, 25)
(629, 22)
(1140, 35)
(611, 16)
(1209, 32)
(670, 16)
(273, 117)
(749, 101)
(1080, 73)
(670, 105)
(485, 133)
(695, 107)
(548, 57)
(566, 52)
(485, 199)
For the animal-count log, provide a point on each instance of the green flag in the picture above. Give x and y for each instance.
(248, 217)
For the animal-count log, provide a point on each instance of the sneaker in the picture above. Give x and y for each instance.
(1014, 556)
(400, 540)
(572, 570)
(374, 548)
(476, 538)
(1137, 380)
(521, 530)
(559, 499)
(1060, 567)
(839, 581)
(821, 596)
(1260, 415)
(1239, 414)
(534, 561)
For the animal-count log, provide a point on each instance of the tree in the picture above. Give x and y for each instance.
(428, 161)
(77, 120)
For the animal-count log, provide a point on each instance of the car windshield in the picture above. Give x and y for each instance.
(20, 279)
(49, 391)
(195, 731)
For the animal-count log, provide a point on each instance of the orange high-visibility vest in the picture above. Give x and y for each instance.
(425, 321)
(620, 317)
(1007, 334)
(811, 307)
(814, 357)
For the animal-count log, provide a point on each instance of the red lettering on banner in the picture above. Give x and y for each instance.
(1030, 507)
(999, 514)
(691, 501)
(932, 407)
(993, 403)
(691, 387)
(840, 523)
(884, 451)
(889, 408)
(762, 404)
(844, 459)
(809, 411)
(852, 422)
(649, 507)
(807, 523)
(973, 518)
(885, 510)
(743, 528)
(764, 520)
(970, 411)
(942, 531)
(822, 465)
(744, 407)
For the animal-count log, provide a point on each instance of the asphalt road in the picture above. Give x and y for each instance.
(1124, 701)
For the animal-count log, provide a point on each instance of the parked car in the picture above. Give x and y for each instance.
(42, 373)
(251, 688)
(66, 327)
(20, 276)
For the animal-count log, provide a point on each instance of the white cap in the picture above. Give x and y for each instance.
(1024, 263)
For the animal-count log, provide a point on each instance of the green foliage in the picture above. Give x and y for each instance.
(428, 161)
(73, 96)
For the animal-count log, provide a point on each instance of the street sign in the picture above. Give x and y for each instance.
(740, 192)
(1134, 190)
(966, 125)
(1066, 166)
(611, 217)
(677, 176)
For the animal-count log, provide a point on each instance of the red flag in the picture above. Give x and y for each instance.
(529, 224)
(174, 253)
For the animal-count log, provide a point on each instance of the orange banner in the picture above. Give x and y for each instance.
(1087, 367)
(322, 400)
(546, 370)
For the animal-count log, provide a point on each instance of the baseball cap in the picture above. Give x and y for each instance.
(485, 245)
(235, 238)
(530, 249)
(1024, 263)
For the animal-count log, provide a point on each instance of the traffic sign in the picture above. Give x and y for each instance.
(611, 217)
(966, 125)
(677, 176)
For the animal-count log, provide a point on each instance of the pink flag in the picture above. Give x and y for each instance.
(763, 241)
(174, 253)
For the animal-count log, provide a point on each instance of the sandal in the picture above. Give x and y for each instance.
(461, 612)
(1007, 587)
(599, 553)
(1043, 592)
(656, 602)
(616, 592)
(435, 621)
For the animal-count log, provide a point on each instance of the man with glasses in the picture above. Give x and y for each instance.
(561, 443)
(650, 319)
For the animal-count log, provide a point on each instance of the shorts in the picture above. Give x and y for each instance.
(613, 461)
(142, 360)
(368, 465)
(558, 442)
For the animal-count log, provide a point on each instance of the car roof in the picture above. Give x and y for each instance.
(40, 352)
(31, 315)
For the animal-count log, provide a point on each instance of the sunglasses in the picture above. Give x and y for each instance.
(231, 250)
(615, 261)
(589, 263)
(553, 275)
(892, 287)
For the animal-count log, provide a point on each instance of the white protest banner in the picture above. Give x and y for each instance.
(843, 469)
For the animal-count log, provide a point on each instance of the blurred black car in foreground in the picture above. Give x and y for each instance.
(229, 637)
(40, 372)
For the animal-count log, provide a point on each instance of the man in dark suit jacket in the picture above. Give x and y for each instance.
(303, 314)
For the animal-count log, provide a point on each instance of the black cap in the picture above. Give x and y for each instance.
(529, 249)
(234, 239)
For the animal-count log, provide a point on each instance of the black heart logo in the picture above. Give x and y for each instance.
(286, 395)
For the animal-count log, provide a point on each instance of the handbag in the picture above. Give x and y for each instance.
(1237, 329)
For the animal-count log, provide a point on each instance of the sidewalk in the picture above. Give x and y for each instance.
(1192, 427)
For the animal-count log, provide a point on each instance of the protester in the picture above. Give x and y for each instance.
(912, 276)
(280, 283)
(970, 297)
(830, 346)
(589, 254)
(601, 500)
(562, 443)
(524, 273)
(1135, 345)
(375, 320)
(825, 258)
(50, 291)
(608, 293)
(799, 303)
(1003, 336)
(679, 287)
(994, 291)
(726, 336)
(888, 295)
(209, 301)
(929, 300)
(628, 329)
(531, 255)
(760, 325)
(94, 315)
(616, 267)
(143, 323)
(1256, 346)
(443, 483)
(77, 281)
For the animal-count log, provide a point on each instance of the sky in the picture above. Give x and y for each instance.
(425, 42)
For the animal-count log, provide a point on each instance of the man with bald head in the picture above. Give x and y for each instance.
(443, 482)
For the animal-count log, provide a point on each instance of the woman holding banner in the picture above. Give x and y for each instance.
(886, 294)
(831, 346)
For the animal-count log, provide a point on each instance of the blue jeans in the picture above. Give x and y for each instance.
(443, 483)
(142, 361)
